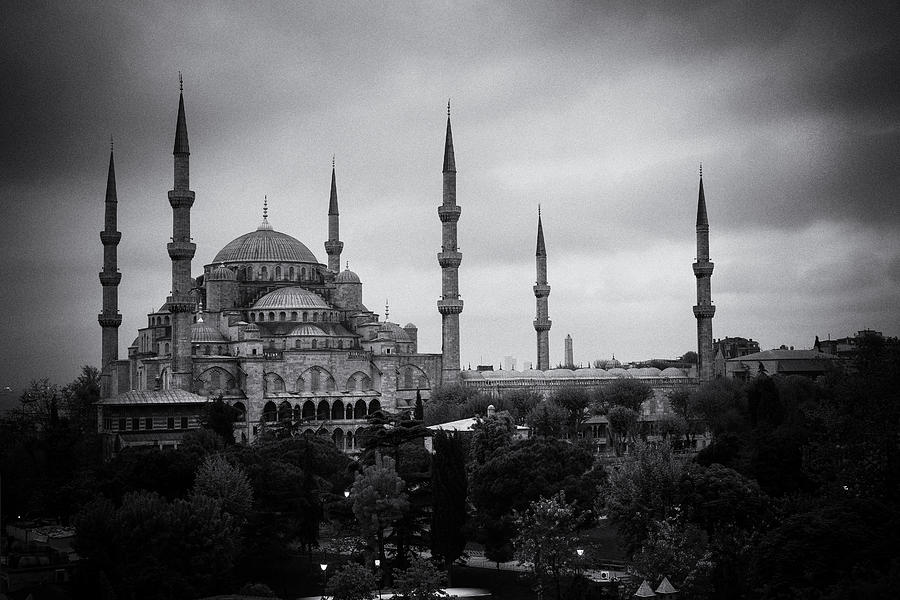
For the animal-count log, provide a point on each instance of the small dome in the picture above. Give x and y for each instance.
(410, 326)
(393, 331)
(560, 373)
(290, 297)
(645, 372)
(203, 332)
(307, 330)
(591, 373)
(619, 372)
(672, 372)
(346, 276)
(251, 332)
(221, 273)
(533, 374)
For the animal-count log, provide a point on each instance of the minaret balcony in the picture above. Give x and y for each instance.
(703, 269)
(179, 198)
(450, 306)
(333, 247)
(180, 303)
(543, 325)
(449, 214)
(704, 311)
(109, 320)
(181, 250)
(449, 259)
(541, 290)
(107, 279)
(110, 238)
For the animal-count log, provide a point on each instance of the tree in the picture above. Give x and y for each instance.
(630, 393)
(79, 398)
(420, 581)
(546, 537)
(379, 501)
(352, 582)
(642, 491)
(490, 435)
(520, 402)
(449, 486)
(220, 418)
(547, 419)
(622, 426)
(690, 357)
(419, 412)
(575, 401)
(219, 479)
(679, 551)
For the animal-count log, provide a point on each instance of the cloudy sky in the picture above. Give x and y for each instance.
(599, 112)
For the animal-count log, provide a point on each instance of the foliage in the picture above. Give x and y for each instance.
(420, 581)
(220, 479)
(450, 490)
(641, 491)
(679, 551)
(721, 404)
(220, 418)
(721, 500)
(379, 501)
(257, 589)
(623, 423)
(151, 548)
(489, 436)
(546, 536)
(547, 419)
(630, 393)
(352, 582)
(575, 401)
(519, 403)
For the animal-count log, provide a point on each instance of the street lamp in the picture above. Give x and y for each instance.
(580, 553)
(324, 567)
(378, 575)
(346, 493)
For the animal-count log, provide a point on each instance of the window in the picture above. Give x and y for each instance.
(184, 422)
(314, 343)
(271, 316)
(282, 316)
(305, 316)
(107, 423)
(148, 423)
(303, 273)
(291, 273)
(293, 315)
(254, 352)
(277, 272)
(122, 423)
(135, 423)
(215, 380)
(170, 423)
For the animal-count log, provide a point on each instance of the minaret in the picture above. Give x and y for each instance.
(542, 321)
(450, 305)
(181, 251)
(704, 310)
(110, 319)
(570, 354)
(334, 245)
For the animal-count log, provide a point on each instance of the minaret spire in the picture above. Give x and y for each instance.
(704, 309)
(449, 258)
(181, 250)
(333, 246)
(109, 318)
(542, 322)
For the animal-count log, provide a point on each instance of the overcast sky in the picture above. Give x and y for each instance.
(599, 112)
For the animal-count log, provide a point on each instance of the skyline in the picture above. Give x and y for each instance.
(601, 115)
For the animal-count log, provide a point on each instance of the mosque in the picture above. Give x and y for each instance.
(284, 338)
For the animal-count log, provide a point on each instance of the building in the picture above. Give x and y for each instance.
(279, 335)
(845, 348)
(809, 363)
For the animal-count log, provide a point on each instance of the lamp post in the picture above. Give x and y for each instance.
(324, 567)
(378, 575)
(346, 493)
(580, 553)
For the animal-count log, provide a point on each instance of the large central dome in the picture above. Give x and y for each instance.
(265, 245)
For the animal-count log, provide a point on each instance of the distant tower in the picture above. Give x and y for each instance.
(334, 245)
(570, 358)
(110, 319)
(704, 310)
(181, 251)
(542, 321)
(450, 304)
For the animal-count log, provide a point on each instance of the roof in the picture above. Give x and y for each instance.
(155, 397)
(290, 297)
(645, 591)
(265, 245)
(665, 587)
(346, 276)
(221, 273)
(779, 354)
(307, 329)
(201, 331)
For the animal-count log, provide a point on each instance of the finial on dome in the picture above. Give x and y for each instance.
(200, 311)
(387, 310)
(539, 210)
(701, 169)
(265, 207)
(448, 108)
(332, 161)
(110, 143)
(347, 265)
(180, 82)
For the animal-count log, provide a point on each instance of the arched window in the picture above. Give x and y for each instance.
(293, 315)
(338, 438)
(264, 273)
(315, 317)
(291, 273)
(206, 350)
(314, 343)
(167, 348)
(271, 315)
(277, 272)
(374, 407)
(359, 411)
(309, 410)
(252, 316)
(305, 316)
(349, 440)
(337, 410)
(215, 380)
(322, 411)
(284, 411)
(348, 413)
(408, 378)
(314, 380)
(282, 316)
(167, 320)
(303, 273)
(340, 344)
(296, 343)
(240, 412)
(270, 413)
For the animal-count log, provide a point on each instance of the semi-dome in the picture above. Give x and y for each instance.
(291, 297)
(265, 245)
(203, 332)
(346, 276)
(307, 330)
(393, 331)
(221, 273)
